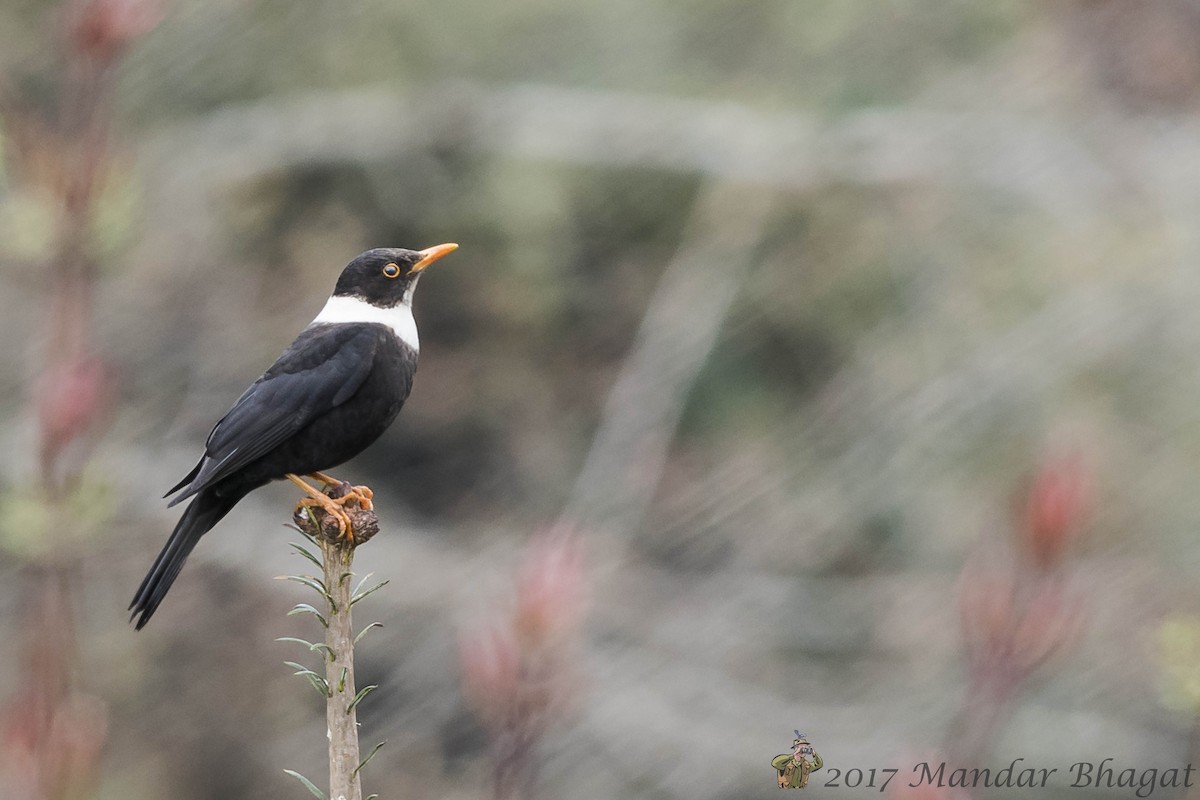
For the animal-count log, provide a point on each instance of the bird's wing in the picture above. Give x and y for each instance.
(322, 369)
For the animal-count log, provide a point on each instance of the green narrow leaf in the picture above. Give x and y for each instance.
(319, 684)
(345, 576)
(361, 694)
(315, 584)
(305, 608)
(370, 755)
(342, 679)
(368, 592)
(308, 581)
(302, 550)
(307, 784)
(364, 630)
(311, 539)
(301, 669)
(313, 646)
(307, 644)
(362, 583)
(373, 797)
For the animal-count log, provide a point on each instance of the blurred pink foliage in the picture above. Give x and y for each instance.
(1056, 508)
(52, 734)
(51, 737)
(66, 156)
(519, 668)
(550, 589)
(900, 790)
(1012, 626)
(72, 399)
(1016, 607)
(103, 29)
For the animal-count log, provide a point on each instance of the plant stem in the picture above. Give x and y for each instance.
(344, 783)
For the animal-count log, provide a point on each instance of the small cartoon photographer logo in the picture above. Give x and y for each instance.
(794, 767)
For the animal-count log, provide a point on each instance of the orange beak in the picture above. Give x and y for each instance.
(432, 254)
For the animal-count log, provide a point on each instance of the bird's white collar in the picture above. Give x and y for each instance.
(352, 309)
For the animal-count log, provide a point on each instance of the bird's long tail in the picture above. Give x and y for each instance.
(201, 515)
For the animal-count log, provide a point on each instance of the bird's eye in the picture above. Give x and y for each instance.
(391, 270)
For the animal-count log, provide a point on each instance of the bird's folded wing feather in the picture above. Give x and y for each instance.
(322, 369)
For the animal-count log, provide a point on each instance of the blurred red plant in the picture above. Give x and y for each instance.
(899, 788)
(550, 589)
(519, 668)
(103, 29)
(72, 400)
(52, 735)
(1011, 627)
(1015, 605)
(1056, 506)
(902, 791)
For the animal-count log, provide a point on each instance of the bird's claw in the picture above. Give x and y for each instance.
(361, 494)
(350, 506)
(334, 510)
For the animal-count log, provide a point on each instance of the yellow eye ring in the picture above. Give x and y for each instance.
(391, 270)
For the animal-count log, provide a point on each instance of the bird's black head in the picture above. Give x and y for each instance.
(385, 277)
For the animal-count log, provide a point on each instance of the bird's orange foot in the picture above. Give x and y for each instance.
(350, 507)
(361, 494)
(333, 509)
(325, 478)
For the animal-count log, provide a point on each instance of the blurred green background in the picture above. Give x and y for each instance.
(778, 303)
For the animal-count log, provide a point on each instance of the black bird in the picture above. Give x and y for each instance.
(334, 391)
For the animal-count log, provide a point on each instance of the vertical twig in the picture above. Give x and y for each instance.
(340, 715)
(337, 588)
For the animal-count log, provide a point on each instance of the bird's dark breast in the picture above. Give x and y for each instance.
(349, 428)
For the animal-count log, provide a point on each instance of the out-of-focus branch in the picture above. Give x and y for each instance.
(680, 327)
